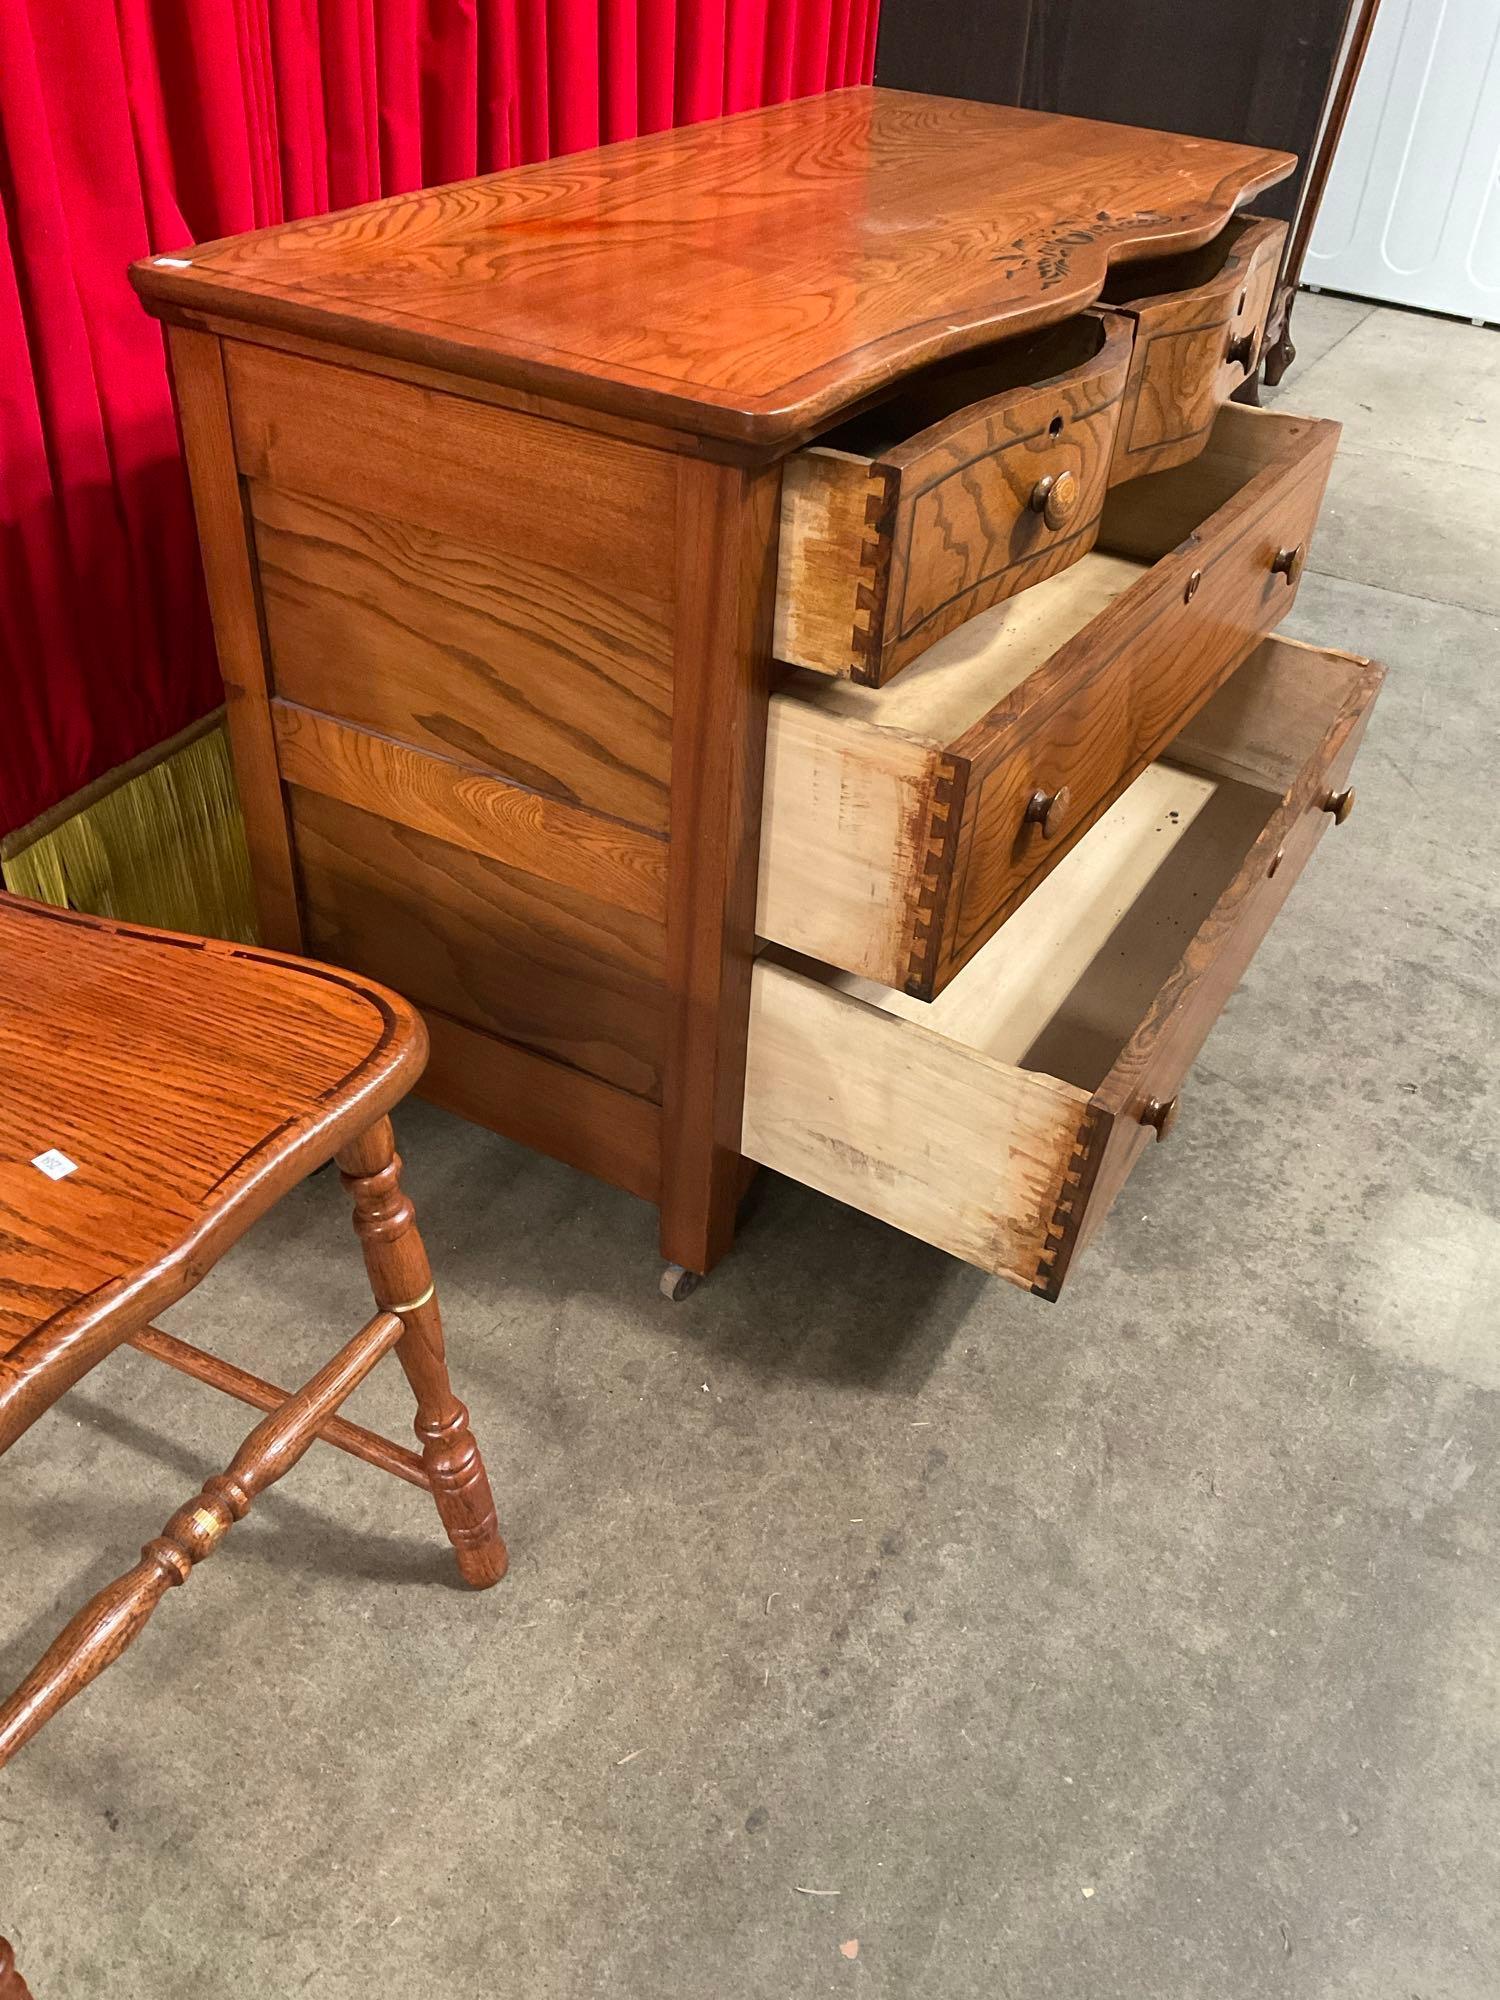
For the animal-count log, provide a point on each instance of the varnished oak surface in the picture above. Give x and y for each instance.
(190, 1082)
(746, 278)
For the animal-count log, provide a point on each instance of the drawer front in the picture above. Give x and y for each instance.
(883, 554)
(1129, 684)
(982, 512)
(999, 1123)
(1141, 1101)
(903, 825)
(1193, 349)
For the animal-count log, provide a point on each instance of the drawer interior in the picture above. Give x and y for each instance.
(896, 836)
(999, 1120)
(926, 398)
(1064, 983)
(960, 678)
(1187, 271)
(960, 486)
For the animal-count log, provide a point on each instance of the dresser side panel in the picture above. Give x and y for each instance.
(468, 621)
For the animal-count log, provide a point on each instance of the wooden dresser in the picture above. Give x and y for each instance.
(762, 632)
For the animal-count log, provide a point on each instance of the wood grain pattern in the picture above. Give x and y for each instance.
(339, 354)
(748, 277)
(898, 835)
(558, 970)
(566, 498)
(577, 1119)
(1199, 322)
(191, 1083)
(968, 1154)
(835, 546)
(922, 511)
(847, 831)
(401, 1279)
(727, 528)
(967, 531)
(468, 808)
(1000, 1120)
(547, 676)
(161, 1093)
(510, 457)
(1138, 673)
(228, 569)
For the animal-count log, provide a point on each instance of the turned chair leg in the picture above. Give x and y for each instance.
(401, 1279)
(12, 1985)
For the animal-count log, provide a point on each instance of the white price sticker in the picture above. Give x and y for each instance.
(55, 1165)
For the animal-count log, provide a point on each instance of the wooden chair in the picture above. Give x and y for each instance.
(157, 1094)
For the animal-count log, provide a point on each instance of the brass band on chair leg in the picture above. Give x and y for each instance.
(385, 1223)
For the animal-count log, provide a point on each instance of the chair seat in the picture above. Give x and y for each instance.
(157, 1094)
(184, 1083)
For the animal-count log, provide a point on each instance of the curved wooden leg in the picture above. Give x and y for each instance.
(401, 1279)
(12, 1985)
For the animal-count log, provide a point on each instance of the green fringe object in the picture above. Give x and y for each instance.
(159, 841)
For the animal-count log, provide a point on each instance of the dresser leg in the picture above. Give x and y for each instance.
(727, 532)
(401, 1279)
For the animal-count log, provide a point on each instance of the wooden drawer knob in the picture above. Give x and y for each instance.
(1055, 497)
(1161, 1117)
(1241, 351)
(1289, 562)
(1340, 804)
(1048, 810)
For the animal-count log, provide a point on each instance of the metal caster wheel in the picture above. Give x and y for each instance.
(677, 1283)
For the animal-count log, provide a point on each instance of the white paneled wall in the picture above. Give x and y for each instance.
(1412, 212)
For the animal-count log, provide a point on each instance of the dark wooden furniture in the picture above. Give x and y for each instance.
(798, 530)
(160, 1093)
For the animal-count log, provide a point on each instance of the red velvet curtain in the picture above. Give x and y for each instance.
(139, 125)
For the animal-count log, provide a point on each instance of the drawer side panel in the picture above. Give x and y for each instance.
(967, 1154)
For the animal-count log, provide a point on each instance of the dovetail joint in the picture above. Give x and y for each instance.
(874, 571)
(936, 869)
(1067, 1213)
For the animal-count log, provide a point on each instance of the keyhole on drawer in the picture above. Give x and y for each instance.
(1054, 429)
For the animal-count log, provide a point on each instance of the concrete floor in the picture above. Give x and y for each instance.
(1140, 1647)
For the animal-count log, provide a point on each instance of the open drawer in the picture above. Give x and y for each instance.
(1000, 1122)
(1199, 321)
(975, 478)
(902, 825)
